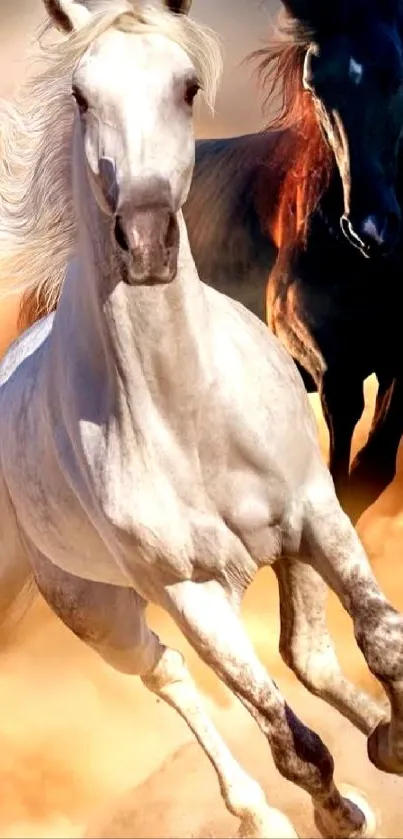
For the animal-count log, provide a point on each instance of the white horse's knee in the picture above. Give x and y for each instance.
(168, 669)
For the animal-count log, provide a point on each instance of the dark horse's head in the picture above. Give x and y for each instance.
(346, 59)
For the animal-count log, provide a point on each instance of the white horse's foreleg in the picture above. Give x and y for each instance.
(243, 796)
(339, 557)
(112, 622)
(307, 648)
(212, 626)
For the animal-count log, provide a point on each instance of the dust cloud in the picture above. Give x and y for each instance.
(74, 735)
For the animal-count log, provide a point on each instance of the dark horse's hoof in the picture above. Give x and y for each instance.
(379, 752)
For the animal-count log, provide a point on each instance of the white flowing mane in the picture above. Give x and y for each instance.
(37, 224)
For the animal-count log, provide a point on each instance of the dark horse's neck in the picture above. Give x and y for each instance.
(324, 237)
(231, 214)
(228, 234)
(329, 210)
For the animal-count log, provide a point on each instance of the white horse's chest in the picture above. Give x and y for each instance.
(110, 512)
(157, 511)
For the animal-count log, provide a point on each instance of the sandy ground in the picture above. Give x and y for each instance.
(75, 736)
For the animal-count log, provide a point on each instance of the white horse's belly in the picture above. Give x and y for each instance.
(72, 542)
(88, 557)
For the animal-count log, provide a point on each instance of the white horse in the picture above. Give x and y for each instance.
(156, 441)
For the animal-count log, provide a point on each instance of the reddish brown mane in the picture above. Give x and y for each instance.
(302, 156)
(33, 307)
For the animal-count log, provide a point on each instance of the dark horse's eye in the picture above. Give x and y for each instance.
(80, 100)
(191, 91)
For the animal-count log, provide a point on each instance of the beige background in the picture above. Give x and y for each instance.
(241, 25)
(73, 734)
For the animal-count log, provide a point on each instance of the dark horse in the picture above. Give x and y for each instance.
(314, 204)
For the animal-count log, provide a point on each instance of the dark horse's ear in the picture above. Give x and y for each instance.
(178, 7)
(317, 16)
(322, 16)
(298, 8)
(307, 11)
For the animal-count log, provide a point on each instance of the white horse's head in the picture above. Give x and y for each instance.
(134, 88)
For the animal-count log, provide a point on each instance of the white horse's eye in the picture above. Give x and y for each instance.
(191, 91)
(80, 100)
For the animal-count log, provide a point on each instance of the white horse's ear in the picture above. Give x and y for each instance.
(179, 7)
(67, 15)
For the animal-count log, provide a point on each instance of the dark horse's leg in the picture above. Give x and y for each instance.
(342, 398)
(325, 343)
(374, 467)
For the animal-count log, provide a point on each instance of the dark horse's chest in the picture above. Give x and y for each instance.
(348, 307)
(357, 287)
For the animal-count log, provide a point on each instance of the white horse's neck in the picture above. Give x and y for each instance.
(138, 342)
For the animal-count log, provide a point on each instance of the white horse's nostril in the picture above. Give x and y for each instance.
(107, 171)
(120, 235)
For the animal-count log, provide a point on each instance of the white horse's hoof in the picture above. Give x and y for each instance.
(372, 820)
(379, 751)
(272, 824)
(356, 801)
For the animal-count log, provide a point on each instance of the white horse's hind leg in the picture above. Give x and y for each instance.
(306, 645)
(338, 555)
(112, 622)
(212, 626)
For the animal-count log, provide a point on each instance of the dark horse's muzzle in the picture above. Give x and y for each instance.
(374, 233)
(372, 236)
